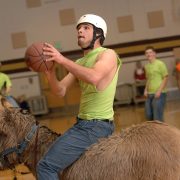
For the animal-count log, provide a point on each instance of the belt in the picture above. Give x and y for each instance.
(104, 120)
(108, 121)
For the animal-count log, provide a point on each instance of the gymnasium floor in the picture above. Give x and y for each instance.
(124, 116)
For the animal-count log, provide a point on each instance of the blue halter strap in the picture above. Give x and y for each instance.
(20, 148)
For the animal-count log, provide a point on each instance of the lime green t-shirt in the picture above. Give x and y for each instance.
(4, 79)
(155, 72)
(96, 104)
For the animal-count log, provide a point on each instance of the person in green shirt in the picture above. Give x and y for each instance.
(155, 90)
(97, 75)
(5, 84)
(5, 89)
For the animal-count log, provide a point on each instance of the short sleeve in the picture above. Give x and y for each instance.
(164, 69)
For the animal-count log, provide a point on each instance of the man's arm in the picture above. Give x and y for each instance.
(60, 87)
(146, 89)
(162, 86)
(104, 65)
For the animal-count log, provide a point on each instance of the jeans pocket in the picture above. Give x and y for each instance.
(100, 130)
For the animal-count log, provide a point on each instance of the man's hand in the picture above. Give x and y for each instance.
(158, 94)
(53, 53)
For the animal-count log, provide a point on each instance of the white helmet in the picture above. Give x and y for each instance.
(95, 20)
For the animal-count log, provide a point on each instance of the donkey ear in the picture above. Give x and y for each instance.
(5, 103)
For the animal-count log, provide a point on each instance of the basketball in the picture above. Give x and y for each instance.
(35, 59)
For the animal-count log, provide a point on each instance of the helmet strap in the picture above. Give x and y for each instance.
(91, 45)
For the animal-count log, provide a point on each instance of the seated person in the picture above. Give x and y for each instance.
(140, 77)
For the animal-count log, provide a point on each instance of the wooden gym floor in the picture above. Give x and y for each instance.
(124, 116)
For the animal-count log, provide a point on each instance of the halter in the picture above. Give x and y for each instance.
(17, 149)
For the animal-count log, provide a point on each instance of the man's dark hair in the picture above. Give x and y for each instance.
(150, 47)
(99, 31)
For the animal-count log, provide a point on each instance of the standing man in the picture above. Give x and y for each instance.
(157, 76)
(97, 74)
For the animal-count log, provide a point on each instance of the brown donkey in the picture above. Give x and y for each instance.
(147, 151)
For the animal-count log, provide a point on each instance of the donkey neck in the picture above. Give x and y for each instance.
(38, 147)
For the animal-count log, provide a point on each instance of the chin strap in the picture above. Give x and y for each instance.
(95, 36)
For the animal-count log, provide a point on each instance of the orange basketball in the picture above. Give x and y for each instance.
(35, 59)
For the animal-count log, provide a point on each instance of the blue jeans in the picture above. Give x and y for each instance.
(12, 101)
(154, 107)
(70, 146)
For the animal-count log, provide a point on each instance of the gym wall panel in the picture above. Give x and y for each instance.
(176, 9)
(67, 17)
(19, 40)
(33, 3)
(155, 19)
(125, 23)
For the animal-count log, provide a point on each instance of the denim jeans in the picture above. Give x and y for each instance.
(154, 107)
(12, 101)
(70, 146)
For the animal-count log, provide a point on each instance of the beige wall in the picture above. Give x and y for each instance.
(25, 21)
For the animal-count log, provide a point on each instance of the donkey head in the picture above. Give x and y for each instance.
(15, 123)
